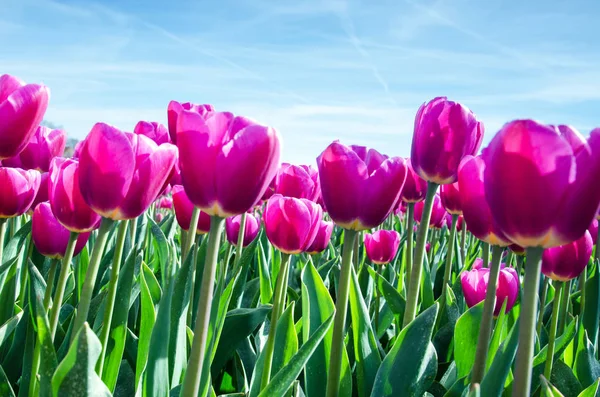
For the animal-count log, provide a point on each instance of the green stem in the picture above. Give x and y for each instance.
(191, 382)
(519, 265)
(553, 322)
(279, 299)
(409, 241)
(191, 233)
(62, 283)
(355, 252)
(50, 282)
(524, 360)
(240, 242)
(509, 258)
(415, 277)
(564, 303)
(433, 243)
(485, 247)
(597, 254)
(190, 315)
(543, 293)
(133, 231)
(487, 318)
(377, 299)
(112, 294)
(463, 242)
(449, 257)
(582, 281)
(339, 321)
(90, 276)
(2, 236)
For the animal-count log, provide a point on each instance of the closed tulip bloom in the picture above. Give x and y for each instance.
(474, 285)
(153, 130)
(593, 230)
(459, 222)
(322, 239)
(66, 200)
(438, 213)
(567, 261)
(517, 249)
(300, 181)
(232, 229)
(183, 211)
(450, 195)
(121, 174)
(415, 187)
(22, 109)
(444, 133)
(476, 210)
(165, 203)
(382, 246)
(49, 236)
(291, 224)
(226, 162)
(175, 108)
(44, 145)
(360, 186)
(42, 193)
(541, 182)
(18, 189)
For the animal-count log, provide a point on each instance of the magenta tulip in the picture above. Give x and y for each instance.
(226, 163)
(567, 261)
(121, 174)
(66, 200)
(232, 229)
(44, 145)
(593, 229)
(175, 108)
(49, 236)
(541, 182)
(415, 187)
(450, 195)
(165, 203)
(474, 284)
(360, 186)
(183, 211)
(42, 193)
(444, 133)
(322, 239)
(438, 213)
(18, 189)
(459, 222)
(153, 130)
(22, 109)
(291, 224)
(382, 246)
(300, 181)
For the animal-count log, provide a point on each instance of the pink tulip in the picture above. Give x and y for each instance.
(438, 213)
(251, 229)
(360, 186)
(415, 187)
(153, 130)
(42, 193)
(474, 284)
(300, 181)
(183, 211)
(22, 109)
(459, 222)
(322, 239)
(49, 236)
(159, 217)
(121, 174)
(567, 261)
(445, 132)
(593, 229)
(18, 189)
(66, 200)
(291, 224)
(43, 146)
(226, 162)
(541, 182)
(175, 108)
(450, 195)
(382, 246)
(165, 203)
(77, 149)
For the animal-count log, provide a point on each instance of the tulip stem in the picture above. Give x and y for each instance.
(524, 360)
(355, 253)
(62, 283)
(582, 281)
(449, 257)
(191, 382)
(409, 241)
(487, 319)
(553, 322)
(191, 306)
(191, 233)
(564, 303)
(377, 299)
(112, 294)
(90, 276)
(50, 282)
(279, 300)
(415, 277)
(339, 321)
(240, 242)
(133, 232)
(543, 292)
(463, 242)
(433, 243)
(2, 236)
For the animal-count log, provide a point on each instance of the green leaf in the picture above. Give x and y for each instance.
(284, 378)
(564, 380)
(548, 390)
(587, 367)
(8, 293)
(76, 375)
(391, 295)
(14, 248)
(465, 339)
(592, 391)
(498, 335)
(266, 290)
(161, 246)
(591, 315)
(427, 298)
(400, 376)
(147, 319)
(5, 387)
(8, 327)
(495, 378)
(248, 254)
(365, 346)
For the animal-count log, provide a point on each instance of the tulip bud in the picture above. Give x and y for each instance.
(450, 195)
(153, 130)
(567, 261)
(18, 190)
(251, 229)
(415, 187)
(322, 239)
(42, 193)
(175, 108)
(474, 284)
(183, 211)
(300, 181)
(382, 246)
(593, 230)
(43, 146)
(49, 236)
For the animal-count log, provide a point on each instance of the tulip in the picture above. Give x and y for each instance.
(450, 195)
(42, 193)
(415, 187)
(22, 109)
(50, 236)
(226, 162)
(175, 108)
(19, 188)
(593, 230)
(322, 239)
(77, 149)
(122, 182)
(251, 229)
(474, 284)
(183, 212)
(153, 130)
(382, 246)
(566, 262)
(159, 217)
(444, 133)
(438, 213)
(165, 203)
(300, 181)
(43, 146)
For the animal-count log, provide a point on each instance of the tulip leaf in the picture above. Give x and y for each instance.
(391, 295)
(564, 380)
(587, 367)
(8, 327)
(548, 390)
(147, 320)
(266, 289)
(399, 376)
(427, 298)
(592, 391)
(496, 375)
(8, 293)
(591, 315)
(466, 334)
(161, 246)
(248, 254)
(14, 248)
(499, 334)
(5, 387)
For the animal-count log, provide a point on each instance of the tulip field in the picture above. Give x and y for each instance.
(188, 260)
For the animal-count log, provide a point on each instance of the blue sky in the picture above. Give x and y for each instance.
(316, 70)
